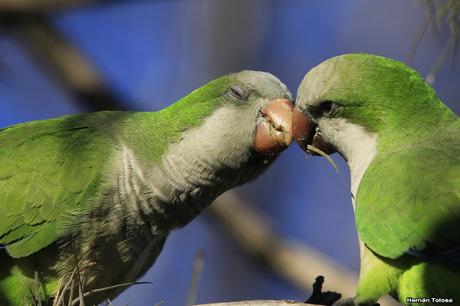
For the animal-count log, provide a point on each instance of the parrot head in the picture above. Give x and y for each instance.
(240, 123)
(351, 102)
(263, 108)
(251, 112)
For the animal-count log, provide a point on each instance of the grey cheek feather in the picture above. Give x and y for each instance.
(317, 83)
(266, 84)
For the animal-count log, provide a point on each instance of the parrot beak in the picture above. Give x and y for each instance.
(274, 127)
(306, 133)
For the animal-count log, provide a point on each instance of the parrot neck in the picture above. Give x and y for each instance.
(204, 162)
(356, 145)
(360, 146)
(413, 124)
(359, 152)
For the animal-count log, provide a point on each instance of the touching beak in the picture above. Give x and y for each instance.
(305, 133)
(274, 128)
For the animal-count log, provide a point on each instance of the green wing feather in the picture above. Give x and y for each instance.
(52, 171)
(48, 171)
(409, 199)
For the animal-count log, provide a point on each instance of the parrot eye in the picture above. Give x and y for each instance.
(327, 108)
(237, 93)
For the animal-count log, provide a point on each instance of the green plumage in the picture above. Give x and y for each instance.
(49, 170)
(408, 216)
(407, 200)
(58, 164)
(103, 189)
(424, 172)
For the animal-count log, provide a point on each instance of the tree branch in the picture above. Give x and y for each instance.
(40, 6)
(293, 261)
(65, 64)
(259, 303)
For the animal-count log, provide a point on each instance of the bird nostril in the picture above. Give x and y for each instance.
(277, 127)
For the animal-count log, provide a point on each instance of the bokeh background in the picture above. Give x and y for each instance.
(151, 53)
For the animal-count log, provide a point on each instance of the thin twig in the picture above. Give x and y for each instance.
(81, 297)
(60, 293)
(88, 293)
(431, 77)
(440, 15)
(59, 287)
(417, 40)
(80, 278)
(37, 285)
(196, 275)
(72, 286)
(323, 154)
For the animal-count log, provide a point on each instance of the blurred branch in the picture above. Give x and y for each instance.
(230, 46)
(293, 261)
(65, 63)
(37, 6)
(42, 6)
(439, 15)
(196, 275)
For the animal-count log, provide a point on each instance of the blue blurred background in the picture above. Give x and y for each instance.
(151, 53)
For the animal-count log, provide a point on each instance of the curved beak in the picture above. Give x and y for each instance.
(274, 127)
(306, 133)
(303, 128)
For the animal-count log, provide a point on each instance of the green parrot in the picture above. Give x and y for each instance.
(89, 199)
(402, 145)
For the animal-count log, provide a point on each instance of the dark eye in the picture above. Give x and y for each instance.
(327, 108)
(236, 92)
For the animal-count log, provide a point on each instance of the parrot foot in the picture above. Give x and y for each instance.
(351, 302)
(318, 297)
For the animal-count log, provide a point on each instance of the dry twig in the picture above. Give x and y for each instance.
(439, 15)
(196, 275)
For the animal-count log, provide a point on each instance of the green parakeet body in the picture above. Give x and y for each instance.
(97, 194)
(402, 145)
